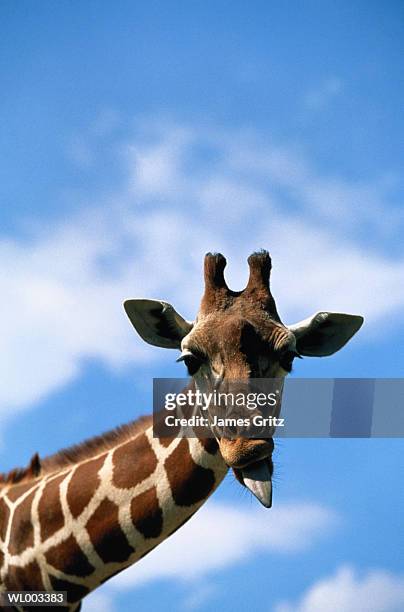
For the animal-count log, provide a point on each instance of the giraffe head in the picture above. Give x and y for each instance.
(237, 336)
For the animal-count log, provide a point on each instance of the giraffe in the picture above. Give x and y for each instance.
(71, 521)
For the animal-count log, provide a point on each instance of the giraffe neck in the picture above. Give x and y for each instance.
(74, 529)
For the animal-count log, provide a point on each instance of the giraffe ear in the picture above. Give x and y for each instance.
(157, 322)
(325, 333)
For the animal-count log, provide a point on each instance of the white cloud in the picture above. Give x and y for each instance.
(58, 308)
(156, 164)
(221, 536)
(349, 591)
(186, 192)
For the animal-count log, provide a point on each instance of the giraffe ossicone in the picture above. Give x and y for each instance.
(71, 521)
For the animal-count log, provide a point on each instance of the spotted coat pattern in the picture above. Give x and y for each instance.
(74, 528)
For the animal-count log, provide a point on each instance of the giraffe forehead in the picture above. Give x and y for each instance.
(230, 332)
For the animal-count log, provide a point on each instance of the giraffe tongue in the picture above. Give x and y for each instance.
(257, 478)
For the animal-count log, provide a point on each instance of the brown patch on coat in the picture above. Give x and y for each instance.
(21, 528)
(27, 578)
(106, 534)
(75, 592)
(16, 491)
(146, 514)
(133, 462)
(190, 483)
(83, 484)
(69, 558)
(50, 511)
(4, 518)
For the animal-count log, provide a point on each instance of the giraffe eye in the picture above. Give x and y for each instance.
(193, 362)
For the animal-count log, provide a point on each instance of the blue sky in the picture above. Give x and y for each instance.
(138, 136)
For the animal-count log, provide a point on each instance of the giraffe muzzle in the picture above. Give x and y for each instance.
(257, 478)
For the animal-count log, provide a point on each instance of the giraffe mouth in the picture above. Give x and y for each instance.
(257, 478)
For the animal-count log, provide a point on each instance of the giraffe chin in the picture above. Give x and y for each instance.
(257, 478)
